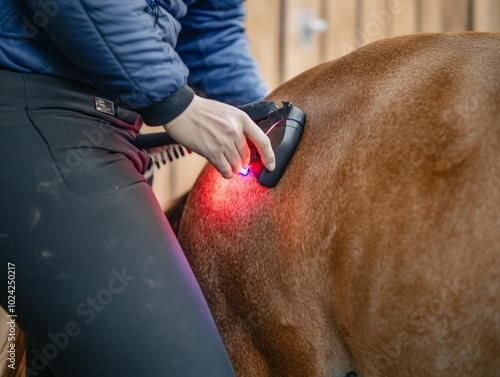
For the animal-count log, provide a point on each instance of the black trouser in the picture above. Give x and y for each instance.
(102, 285)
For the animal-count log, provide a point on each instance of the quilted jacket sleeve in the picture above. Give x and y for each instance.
(115, 43)
(214, 46)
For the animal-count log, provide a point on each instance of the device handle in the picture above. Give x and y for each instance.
(257, 111)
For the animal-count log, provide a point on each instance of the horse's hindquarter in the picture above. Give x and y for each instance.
(378, 250)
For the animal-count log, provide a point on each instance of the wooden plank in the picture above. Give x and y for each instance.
(374, 21)
(486, 15)
(404, 17)
(340, 38)
(455, 15)
(298, 56)
(431, 16)
(263, 30)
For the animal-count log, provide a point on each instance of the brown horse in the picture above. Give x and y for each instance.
(379, 250)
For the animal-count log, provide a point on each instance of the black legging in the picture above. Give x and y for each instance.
(102, 285)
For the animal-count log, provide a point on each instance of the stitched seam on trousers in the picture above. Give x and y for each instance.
(49, 150)
(58, 174)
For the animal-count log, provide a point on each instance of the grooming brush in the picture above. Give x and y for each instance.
(161, 148)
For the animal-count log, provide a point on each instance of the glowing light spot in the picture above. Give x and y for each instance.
(245, 171)
(222, 201)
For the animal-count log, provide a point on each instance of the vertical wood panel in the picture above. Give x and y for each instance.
(431, 16)
(341, 35)
(374, 21)
(455, 15)
(487, 15)
(404, 17)
(298, 58)
(352, 24)
(263, 28)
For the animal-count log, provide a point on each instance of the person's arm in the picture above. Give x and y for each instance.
(215, 48)
(115, 43)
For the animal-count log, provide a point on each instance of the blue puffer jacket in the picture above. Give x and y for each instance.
(134, 50)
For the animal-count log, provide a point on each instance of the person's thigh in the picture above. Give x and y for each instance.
(102, 285)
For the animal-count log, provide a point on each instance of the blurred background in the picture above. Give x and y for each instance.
(290, 36)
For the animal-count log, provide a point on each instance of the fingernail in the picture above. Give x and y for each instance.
(272, 165)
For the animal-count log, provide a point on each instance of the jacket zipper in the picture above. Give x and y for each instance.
(154, 11)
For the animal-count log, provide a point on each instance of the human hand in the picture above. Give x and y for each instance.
(218, 132)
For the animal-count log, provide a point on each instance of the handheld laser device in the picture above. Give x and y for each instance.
(284, 127)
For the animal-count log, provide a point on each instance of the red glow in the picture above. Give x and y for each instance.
(220, 200)
(273, 126)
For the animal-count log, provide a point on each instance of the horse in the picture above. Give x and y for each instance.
(378, 252)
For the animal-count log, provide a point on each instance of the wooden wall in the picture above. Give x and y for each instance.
(277, 28)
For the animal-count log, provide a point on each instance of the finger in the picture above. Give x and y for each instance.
(222, 165)
(234, 159)
(244, 152)
(262, 143)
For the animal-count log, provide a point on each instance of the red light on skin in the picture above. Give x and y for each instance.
(225, 201)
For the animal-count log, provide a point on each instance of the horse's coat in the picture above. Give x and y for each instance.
(379, 250)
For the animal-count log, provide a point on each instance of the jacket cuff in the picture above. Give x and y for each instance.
(168, 108)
